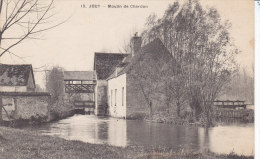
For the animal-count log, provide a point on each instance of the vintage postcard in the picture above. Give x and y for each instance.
(127, 79)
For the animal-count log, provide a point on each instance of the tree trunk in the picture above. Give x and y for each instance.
(178, 109)
(208, 117)
(1, 5)
(1, 107)
(150, 109)
(168, 107)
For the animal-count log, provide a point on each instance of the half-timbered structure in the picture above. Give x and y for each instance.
(81, 85)
(79, 81)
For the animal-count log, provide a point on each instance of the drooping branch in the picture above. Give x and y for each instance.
(32, 18)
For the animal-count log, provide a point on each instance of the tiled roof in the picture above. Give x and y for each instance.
(79, 75)
(14, 75)
(105, 63)
(156, 48)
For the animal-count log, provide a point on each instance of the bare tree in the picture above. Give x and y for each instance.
(241, 87)
(55, 83)
(21, 20)
(202, 48)
(38, 88)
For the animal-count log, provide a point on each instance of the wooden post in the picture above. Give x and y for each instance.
(15, 108)
(150, 109)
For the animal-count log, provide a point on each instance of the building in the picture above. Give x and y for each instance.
(18, 96)
(16, 78)
(80, 85)
(127, 84)
(104, 65)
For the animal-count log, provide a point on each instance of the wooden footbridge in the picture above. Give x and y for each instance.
(81, 82)
(230, 104)
(233, 109)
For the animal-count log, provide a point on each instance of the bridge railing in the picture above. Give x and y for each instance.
(228, 104)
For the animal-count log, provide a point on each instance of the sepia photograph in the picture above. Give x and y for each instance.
(116, 79)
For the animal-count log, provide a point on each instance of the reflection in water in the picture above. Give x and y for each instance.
(203, 138)
(119, 132)
(158, 134)
(225, 139)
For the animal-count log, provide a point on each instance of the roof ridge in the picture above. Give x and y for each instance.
(112, 53)
(16, 64)
(140, 52)
(78, 71)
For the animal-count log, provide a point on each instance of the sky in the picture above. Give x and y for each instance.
(88, 30)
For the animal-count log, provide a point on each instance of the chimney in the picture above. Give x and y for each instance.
(135, 44)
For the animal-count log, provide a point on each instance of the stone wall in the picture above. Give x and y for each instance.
(148, 73)
(101, 97)
(135, 101)
(33, 105)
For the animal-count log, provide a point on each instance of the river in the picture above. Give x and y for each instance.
(223, 139)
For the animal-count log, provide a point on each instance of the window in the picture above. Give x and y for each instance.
(123, 96)
(115, 96)
(111, 97)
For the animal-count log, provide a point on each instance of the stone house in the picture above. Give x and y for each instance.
(16, 78)
(128, 87)
(18, 96)
(104, 65)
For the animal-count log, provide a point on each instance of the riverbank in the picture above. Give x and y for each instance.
(57, 111)
(218, 116)
(164, 117)
(15, 143)
(60, 110)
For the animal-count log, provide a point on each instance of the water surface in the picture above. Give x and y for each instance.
(238, 138)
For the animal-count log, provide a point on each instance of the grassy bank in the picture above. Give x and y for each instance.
(164, 117)
(218, 116)
(60, 110)
(25, 144)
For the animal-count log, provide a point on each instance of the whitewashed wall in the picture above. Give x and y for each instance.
(117, 105)
(13, 88)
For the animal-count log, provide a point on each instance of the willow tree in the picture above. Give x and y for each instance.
(55, 83)
(203, 52)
